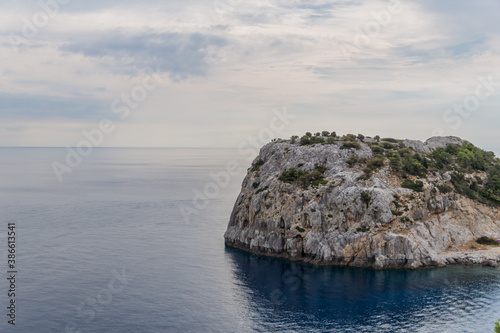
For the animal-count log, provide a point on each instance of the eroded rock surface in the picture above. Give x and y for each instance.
(331, 224)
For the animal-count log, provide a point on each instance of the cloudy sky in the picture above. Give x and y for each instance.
(397, 69)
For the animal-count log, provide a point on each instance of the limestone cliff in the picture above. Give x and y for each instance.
(340, 201)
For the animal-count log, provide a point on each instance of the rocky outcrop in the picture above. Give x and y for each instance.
(350, 219)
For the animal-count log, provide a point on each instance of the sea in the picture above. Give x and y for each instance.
(131, 240)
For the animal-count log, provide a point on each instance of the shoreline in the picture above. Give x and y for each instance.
(488, 256)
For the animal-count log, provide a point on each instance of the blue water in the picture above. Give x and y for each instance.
(118, 214)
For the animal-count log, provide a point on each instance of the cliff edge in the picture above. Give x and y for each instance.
(369, 202)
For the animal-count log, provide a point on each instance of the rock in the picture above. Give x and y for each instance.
(431, 144)
(332, 224)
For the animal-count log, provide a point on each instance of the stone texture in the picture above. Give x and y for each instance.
(331, 225)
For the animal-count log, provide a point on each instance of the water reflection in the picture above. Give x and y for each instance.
(292, 297)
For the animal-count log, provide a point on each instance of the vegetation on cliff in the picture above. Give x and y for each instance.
(474, 173)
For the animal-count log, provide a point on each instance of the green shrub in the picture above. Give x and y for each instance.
(325, 133)
(404, 151)
(361, 137)
(320, 168)
(375, 163)
(350, 144)
(391, 140)
(497, 327)
(363, 229)
(293, 138)
(317, 134)
(299, 229)
(261, 189)
(417, 186)
(368, 172)
(256, 166)
(486, 241)
(333, 134)
(444, 189)
(415, 164)
(376, 149)
(331, 140)
(395, 162)
(305, 140)
(350, 137)
(388, 145)
(352, 160)
(366, 198)
(309, 134)
(255, 185)
(305, 179)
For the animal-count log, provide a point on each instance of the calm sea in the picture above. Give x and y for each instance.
(120, 246)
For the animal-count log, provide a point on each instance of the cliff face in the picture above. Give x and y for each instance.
(350, 218)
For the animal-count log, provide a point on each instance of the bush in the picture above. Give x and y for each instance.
(497, 327)
(350, 144)
(352, 160)
(331, 140)
(261, 189)
(444, 189)
(375, 163)
(325, 133)
(255, 185)
(305, 179)
(487, 241)
(305, 140)
(299, 229)
(320, 168)
(350, 137)
(256, 166)
(388, 145)
(366, 198)
(293, 139)
(376, 149)
(318, 134)
(309, 134)
(391, 140)
(395, 162)
(417, 186)
(361, 137)
(333, 134)
(415, 164)
(363, 229)
(310, 140)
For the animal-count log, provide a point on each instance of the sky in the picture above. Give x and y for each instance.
(215, 73)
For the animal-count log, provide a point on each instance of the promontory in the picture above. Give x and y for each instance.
(370, 202)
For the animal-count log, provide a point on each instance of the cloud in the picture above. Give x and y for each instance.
(231, 64)
(178, 54)
(50, 108)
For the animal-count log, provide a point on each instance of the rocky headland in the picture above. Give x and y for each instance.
(370, 202)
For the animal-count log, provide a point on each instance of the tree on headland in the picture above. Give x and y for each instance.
(497, 327)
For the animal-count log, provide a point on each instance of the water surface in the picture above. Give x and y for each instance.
(120, 212)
